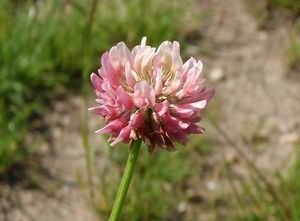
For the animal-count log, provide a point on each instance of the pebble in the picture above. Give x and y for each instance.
(217, 75)
(57, 133)
(290, 138)
(182, 206)
(211, 185)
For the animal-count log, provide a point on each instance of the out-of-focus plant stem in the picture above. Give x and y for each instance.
(270, 188)
(126, 179)
(89, 152)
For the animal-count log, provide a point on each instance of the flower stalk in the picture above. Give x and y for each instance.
(125, 181)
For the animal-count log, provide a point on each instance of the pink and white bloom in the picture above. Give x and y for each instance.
(150, 94)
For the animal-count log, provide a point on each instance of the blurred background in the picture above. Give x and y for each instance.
(245, 167)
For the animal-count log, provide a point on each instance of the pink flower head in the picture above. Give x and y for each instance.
(150, 94)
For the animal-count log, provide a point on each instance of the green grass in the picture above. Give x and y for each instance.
(257, 194)
(294, 53)
(292, 186)
(294, 49)
(43, 54)
(254, 203)
(157, 185)
(27, 75)
(292, 6)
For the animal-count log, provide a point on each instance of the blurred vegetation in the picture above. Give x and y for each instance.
(159, 182)
(292, 9)
(255, 204)
(290, 5)
(43, 54)
(292, 188)
(294, 49)
(260, 194)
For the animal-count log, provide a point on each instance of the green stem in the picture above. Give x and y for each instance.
(123, 188)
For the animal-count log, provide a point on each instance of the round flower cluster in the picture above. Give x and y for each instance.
(150, 94)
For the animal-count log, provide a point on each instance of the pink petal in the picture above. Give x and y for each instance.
(130, 78)
(174, 87)
(197, 105)
(204, 95)
(124, 98)
(176, 62)
(95, 110)
(195, 129)
(97, 82)
(144, 96)
(107, 112)
(137, 119)
(108, 71)
(182, 113)
(139, 58)
(113, 127)
(162, 108)
(143, 41)
(146, 65)
(119, 55)
(158, 83)
(124, 136)
(176, 47)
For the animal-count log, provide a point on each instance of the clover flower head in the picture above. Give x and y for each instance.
(150, 94)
